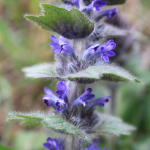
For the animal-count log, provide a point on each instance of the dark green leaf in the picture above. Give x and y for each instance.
(70, 24)
(109, 72)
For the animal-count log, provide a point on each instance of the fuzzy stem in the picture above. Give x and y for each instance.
(79, 46)
(76, 143)
(72, 91)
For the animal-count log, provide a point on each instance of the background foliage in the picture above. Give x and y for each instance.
(24, 44)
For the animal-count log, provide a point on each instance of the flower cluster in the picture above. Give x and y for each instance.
(57, 144)
(60, 103)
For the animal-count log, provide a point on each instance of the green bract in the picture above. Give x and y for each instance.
(106, 124)
(108, 72)
(70, 24)
(113, 125)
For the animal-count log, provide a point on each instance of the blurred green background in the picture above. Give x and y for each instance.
(22, 44)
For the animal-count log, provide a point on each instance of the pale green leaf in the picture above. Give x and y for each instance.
(44, 70)
(27, 119)
(109, 72)
(40, 119)
(70, 24)
(113, 125)
(57, 123)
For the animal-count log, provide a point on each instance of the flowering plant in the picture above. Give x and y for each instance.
(80, 61)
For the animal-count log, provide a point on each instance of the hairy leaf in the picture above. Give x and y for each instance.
(40, 119)
(113, 125)
(109, 72)
(70, 24)
(57, 123)
(27, 119)
(44, 70)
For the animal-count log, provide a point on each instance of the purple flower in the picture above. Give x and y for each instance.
(94, 145)
(62, 91)
(53, 144)
(84, 97)
(94, 6)
(50, 99)
(60, 46)
(100, 101)
(90, 51)
(76, 3)
(104, 51)
(110, 13)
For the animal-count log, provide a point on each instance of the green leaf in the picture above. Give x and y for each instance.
(27, 119)
(113, 125)
(44, 70)
(70, 24)
(109, 72)
(40, 119)
(57, 123)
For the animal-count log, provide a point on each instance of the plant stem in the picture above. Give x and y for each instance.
(76, 144)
